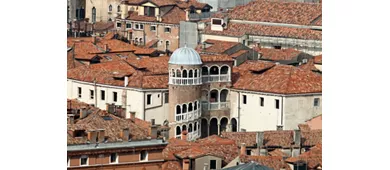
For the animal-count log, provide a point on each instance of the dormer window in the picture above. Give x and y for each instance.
(149, 11)
(192, 10)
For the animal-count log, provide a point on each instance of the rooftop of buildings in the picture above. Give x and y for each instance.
(249, 166)
(161, 3)
(215, 46)
(185, 56)
(240, 29)
(313, 157)
(273, 162)
(268, 77)
(318, 59)
(309, 66)
(279, 12)
(86, 26)
(277, 54)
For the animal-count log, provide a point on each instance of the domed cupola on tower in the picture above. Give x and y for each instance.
(185, 92)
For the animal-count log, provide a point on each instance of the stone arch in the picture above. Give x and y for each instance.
(173, 73)
(190, 107)
(204, 128)
(225, 69)
(214, 95)
(185, 73)
(224, 95)
(184, 109)
(178, 130)
(214, 70)
(178, 109)
(213, 126)
(178, 72)
(224, 122)
(196, 73)
(205, 70)
(191, 73)
(196, 105)
(190, 129)
(184, 128)
(233, 122)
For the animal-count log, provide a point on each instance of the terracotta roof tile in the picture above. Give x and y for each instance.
(318, 59)
(151, 43)
(277, 12)
(277, 152)
(312, 137)
(218, 47)
(277, 54)
(238, 30)
(174, 16)
(281, 79)
(274, 162)
(238, 53)
(189, 3)
(216, 57)
(313, 157)
(72, 63)
(309, 66)
(171, 165)
(249, 138)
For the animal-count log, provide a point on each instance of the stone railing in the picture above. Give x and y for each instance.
(216, 78)
(185, 81)
(215, 105)
(189, 116)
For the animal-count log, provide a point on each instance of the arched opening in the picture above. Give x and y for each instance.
(178, 73)
(234, 125)
(224, 70)
(93, 14)
(173, 73)
(213, 126)
(196, 73)
(190, 74)
(214, 96)
(190, 128)
(178, 130)
(196, 105)
(118, 8)
(185, 74)
(224, 122)
(184, 128)
(224, 95)
(204, 128)
(196, 126)
(184, 108)
(214, 70)
(205, 71)
(110, 8)
(178, 109)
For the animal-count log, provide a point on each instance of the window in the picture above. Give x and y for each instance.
(113, 158)
(91, 94)
(110, 8)
(143, 156)
(277, 103)
(119, 8)
(166, 97)
(244, 99)
(118, 24)
(149, 99)
(278, 47)
(216, 21)
(93, 14)
(115, 96)
(84, 160)
(261, 101)
(79, 133)
(149, 11)
(167, 45)
(243, 42)
(79, 92)
(77, 14)
(167, 29)
(102, 95)
(153, 28)
(248, 152)
(316, 101)
(128, 25)
(139, 26)
(213, 164)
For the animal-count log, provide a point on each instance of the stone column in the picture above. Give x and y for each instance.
(219, 129)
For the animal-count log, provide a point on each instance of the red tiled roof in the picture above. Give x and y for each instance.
(277, 54)
(271, 78)
(309, 66)
(318, 59)
(274, 162)
(218, 47)
(238, 30)
(174, 16)
(277, 152)
(171, 165)
(215, 58)
(313, 157)
(283, 138)
(249, 138)
(133, 15)
(151, 43)
(238, 53)
(72, 63)
(277, 12)
(113, 128)
(189, 3)
(311, 137)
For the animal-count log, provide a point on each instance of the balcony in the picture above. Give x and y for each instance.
(215, 105)
(189, 116)
(197, 17)
(185, 81)
(190, 135)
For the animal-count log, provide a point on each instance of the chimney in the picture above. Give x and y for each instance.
(154, 131)
(186, 164)
(132, 116)
(106, 48)
(94, 39)
(126, 81)
(187, 15)
(158, 18)
(184, 135)
(297, 137)
(260, 139)
(243, 149)
(124, 10)
(83, 112)
(125, 134)
(101, 135)
(92, 136)
(71, 119)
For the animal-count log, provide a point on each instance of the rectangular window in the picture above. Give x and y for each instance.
(128, 25)
(149, 99)
(166, 97)
(248, 152)
(113, 158)
(278, 47)
(243, 42)
(149, 11)
(167, 29)
(79, 92)
(213, 164)
(136, 26)
(118, 24)
(261, 101)
(115, 96)
(139, 26)
(316, 101)
(277, 103)
(143, 156)
(244, 99)
(153, 28)
(216, 21)
(84, 160)
(102, 95)
(91, 94)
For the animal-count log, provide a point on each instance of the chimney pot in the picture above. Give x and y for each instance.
(126, 81)
(243, 149)
(154, 131)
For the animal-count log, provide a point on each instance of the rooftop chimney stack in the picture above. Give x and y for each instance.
(126, 81)
(260, 139)
(71, 119)
(243, 149)
(101, 135)
(92, 136)
(132, 116)
(94, 39)
(154, 131)
(83, 112)
(184, 135)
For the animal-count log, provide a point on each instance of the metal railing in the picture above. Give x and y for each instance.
(185, 81)
(215, 105)
(216, 78)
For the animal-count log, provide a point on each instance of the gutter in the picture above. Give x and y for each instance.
(276, 94)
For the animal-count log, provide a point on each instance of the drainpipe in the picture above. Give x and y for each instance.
(95, 88)
(238, 111)
(143, 99)
(281, 114)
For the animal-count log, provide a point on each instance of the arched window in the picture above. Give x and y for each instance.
(196, 105)
(136, 40)
(140, 40)
(190, 74)
(178, 130)
(178, 109)
(93, 14)
(184, 127)
(184, 108)
(119, 8)
(167, 45)
(185, 74)
(196, 126)
(178, 73)
(214, 70)
(173, 73)
(110, 8)
(109, 19)
(196, 73)
(190, 128)
(190, 107)
(224, 70)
